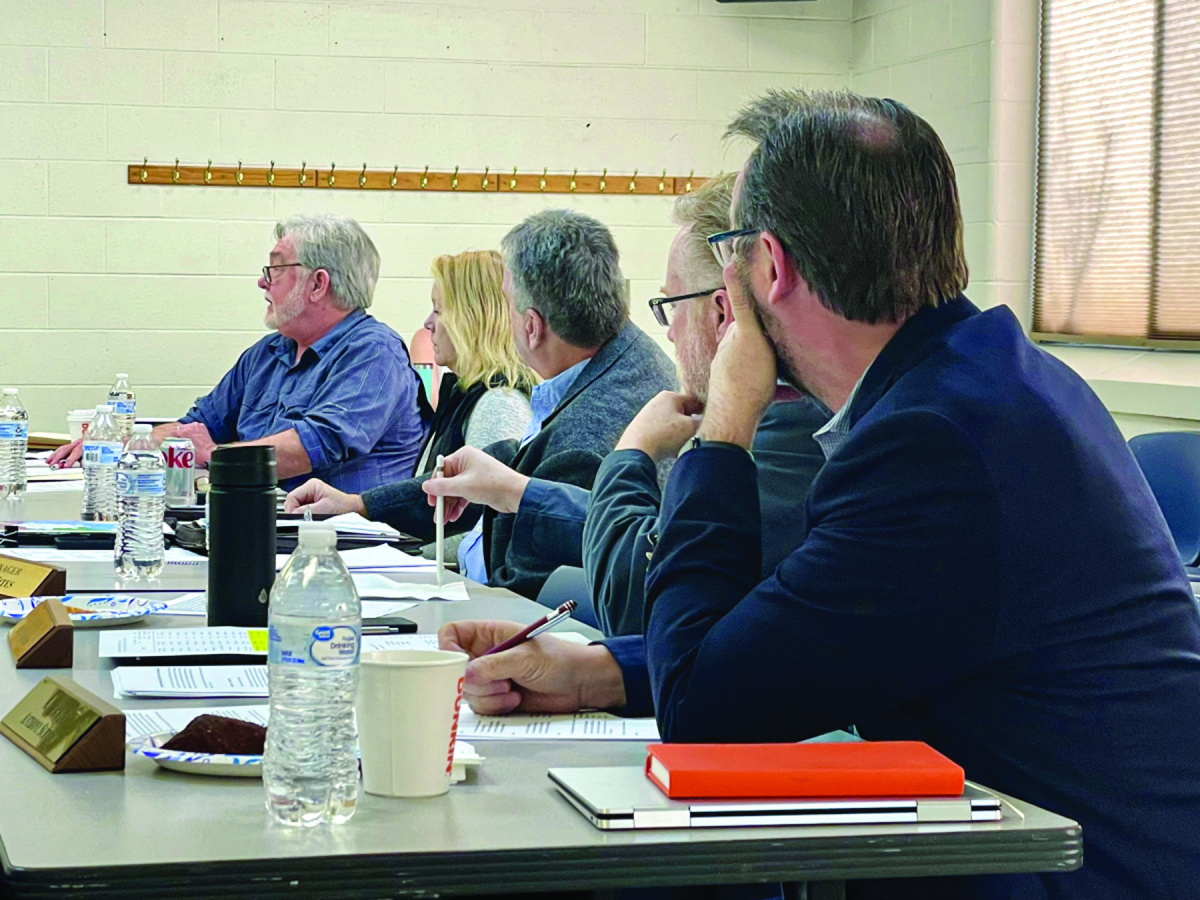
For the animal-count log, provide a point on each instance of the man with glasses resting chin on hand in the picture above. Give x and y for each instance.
(332, 389)
(985, 568)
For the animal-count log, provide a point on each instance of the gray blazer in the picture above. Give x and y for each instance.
(572, 442)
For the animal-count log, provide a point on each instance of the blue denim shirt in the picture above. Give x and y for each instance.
(352, 399)
(542, 401)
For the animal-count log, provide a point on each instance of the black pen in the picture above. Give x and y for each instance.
(381, 629)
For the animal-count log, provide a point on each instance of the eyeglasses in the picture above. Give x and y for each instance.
(722, 243)
(267, 269)
(663, 309)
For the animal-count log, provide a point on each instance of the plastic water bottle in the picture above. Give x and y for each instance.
(14, 437)
(310, 768)
(141, 499)
(101, 448)
(124, 404)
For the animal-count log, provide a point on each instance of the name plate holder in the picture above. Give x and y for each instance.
(66, 728)
(44, 639)
(25, 578)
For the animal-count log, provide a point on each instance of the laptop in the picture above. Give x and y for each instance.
(622, 798)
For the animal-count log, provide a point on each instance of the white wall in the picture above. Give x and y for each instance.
(98, 276)
(969, 67)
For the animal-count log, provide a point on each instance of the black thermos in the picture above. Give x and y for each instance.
(241, 535)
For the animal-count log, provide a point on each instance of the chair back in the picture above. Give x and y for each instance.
(569, 583)
(420, 351)
(1170, 460)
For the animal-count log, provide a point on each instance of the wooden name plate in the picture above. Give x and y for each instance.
(66, 728)
(22, 578)
(44, 639)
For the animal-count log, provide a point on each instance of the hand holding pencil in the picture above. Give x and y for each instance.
(539, 675)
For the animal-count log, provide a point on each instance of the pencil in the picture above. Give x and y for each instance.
(545, 623)
(439, 521)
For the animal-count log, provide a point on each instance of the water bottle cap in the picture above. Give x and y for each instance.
(11, 391)
(104, 407)
(141, 429)
(317, 536)
(242, 466)
(122, 374)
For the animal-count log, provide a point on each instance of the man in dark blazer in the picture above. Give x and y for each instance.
(570, 319)
(985, 569)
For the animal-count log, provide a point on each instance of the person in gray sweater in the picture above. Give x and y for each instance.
(570, 318)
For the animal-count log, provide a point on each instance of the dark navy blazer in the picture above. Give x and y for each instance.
(986, 570)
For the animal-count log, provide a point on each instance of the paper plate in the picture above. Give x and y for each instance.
(250, 766)
(223, 764)
(102, 610)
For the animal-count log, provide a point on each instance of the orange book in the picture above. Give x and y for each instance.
(850, 769)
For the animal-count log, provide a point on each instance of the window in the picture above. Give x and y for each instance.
(1117, 230)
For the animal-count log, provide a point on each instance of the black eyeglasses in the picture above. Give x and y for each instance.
(267, 269)
(660, 305)
(722, 243)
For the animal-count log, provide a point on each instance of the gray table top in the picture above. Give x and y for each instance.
(149, 832)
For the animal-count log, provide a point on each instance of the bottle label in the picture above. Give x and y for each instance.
(101, 453)
(327, 646)
(124, 407)
(13, 430)
(141, 484)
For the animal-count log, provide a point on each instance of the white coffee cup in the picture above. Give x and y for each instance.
(407, 710)
(78, 421)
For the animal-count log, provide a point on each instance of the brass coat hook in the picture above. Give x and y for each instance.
(484, 183)
(512, 182)
(238, 175)
(331, 179)
(145, 159)
(542, 182)
(573, 174)
(271, 173)
(425, 178)
(662, 182)
(175, 172)
(454, 180)
(208, 173)
(633, 181)
(303, 177)
(362, 176)
(687, 188)
(395, 172)
(604, 181)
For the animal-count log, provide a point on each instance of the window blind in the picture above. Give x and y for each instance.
(1117, 230)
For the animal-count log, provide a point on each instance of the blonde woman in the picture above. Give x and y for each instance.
(484, 397)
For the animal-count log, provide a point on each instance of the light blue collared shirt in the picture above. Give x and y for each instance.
(543, 400)
(833, 433)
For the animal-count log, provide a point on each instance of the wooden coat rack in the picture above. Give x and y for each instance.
(365, 179)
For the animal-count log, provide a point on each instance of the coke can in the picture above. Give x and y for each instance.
(180, 456)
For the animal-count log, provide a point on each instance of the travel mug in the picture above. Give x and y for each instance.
(241, 535)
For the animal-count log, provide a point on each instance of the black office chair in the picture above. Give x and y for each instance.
(569, 583)
(1170, 460)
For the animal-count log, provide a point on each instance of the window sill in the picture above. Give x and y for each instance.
(1139, 382)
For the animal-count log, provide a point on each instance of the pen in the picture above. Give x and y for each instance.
(308, 513)
(439, 521)
(381, 629)
(545, 623)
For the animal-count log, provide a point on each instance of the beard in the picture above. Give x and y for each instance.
(280, 313)
(772, 331)
(694, 358)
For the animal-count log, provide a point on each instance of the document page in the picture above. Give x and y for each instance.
(189, 681)
(183, 642)
(580, 726)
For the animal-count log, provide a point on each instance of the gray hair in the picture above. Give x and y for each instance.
(566, 266)
(702, 212)
(338, 245)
